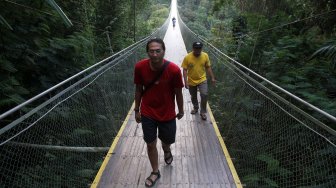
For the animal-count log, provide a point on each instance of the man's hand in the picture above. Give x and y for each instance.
(137, 116)
(179, 115)
(213, 82)
(186, 86)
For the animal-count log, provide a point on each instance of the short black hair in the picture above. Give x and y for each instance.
(158, 40)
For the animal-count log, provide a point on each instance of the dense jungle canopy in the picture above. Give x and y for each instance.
(40, 49)
(291, 43)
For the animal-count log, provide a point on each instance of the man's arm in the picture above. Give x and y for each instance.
(213, 80)
(137, 98)
(179, 101)
(185, 78)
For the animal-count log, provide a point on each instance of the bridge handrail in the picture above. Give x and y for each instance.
(5, 114)
(326, 114)
(274, 85)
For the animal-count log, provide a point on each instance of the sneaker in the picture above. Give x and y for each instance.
(194, 111)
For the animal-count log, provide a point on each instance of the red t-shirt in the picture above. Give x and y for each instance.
(158, 102)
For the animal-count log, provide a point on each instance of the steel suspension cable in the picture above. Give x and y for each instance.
(286, 24)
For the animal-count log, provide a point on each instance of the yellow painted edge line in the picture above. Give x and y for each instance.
(225, 151)
(109, 154)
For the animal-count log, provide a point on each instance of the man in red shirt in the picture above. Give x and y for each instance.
(158, 82)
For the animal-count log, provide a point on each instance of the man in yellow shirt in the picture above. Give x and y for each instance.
(195, 64)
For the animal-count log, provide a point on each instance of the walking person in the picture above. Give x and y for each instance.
(174, 21)
(195, 65)
(158, 83)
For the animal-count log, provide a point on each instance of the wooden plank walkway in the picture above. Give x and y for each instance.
(200, 156)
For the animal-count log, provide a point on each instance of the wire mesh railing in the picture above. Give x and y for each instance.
(62, 141)
(274, 138)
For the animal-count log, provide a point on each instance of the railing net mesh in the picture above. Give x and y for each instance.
(62, 141)
(271, 139)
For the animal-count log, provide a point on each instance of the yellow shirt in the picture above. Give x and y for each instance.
(196, 67)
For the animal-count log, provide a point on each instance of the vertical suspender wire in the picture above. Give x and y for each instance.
(134, 21)
(255, 42)
(87, 26)
(238, 47)
(109, 41)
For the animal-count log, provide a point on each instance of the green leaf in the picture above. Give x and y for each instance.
(60, 12)
(4, 22)
(17, 99)
(98, 164)
(284, 172)
(14, 81)
(86, 173)
(21, 90)
(50, 156)
(304, 85)
(102, 117)
(272, 164)
(289, 86)
(328, 51)
(271, 183)
(251, 178)
(79, 132)
(6, 101)
(286, 79)
(8, 66)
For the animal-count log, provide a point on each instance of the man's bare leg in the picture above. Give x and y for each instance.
(153, 159)
(167, 153)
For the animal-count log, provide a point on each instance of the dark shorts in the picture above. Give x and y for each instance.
(167, 130)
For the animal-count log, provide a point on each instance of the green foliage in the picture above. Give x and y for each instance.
(38, 51)
(53, 4)
(329, 52)
(4, 22)
(39, 44)
(12, 91)
(82, 132)
(86, 173)
(195, 15)
(291, 43)
(158, 16)
(56, 57)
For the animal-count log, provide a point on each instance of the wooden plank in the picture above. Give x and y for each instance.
(199, 161)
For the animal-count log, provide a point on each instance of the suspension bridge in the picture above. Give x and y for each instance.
(82, 132)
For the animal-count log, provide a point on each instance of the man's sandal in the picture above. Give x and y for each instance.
(203, 116)
(152, 183)
(168, 157)
(194, 111)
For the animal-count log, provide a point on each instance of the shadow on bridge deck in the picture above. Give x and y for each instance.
(200, 156)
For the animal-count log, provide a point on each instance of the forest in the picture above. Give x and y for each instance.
(40, 48)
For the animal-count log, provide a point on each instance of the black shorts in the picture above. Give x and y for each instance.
(167, 130)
